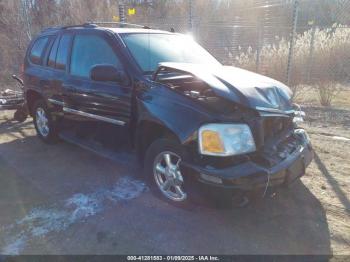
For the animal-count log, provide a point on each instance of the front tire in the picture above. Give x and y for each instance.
(164, 173)
(44, 124)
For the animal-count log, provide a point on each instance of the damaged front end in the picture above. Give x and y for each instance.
(270, 150)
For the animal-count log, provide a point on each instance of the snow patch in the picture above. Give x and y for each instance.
(83, 206)
(41, 221)
(15, 246)
(126, 189)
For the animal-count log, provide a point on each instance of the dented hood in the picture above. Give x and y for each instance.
(240, 86)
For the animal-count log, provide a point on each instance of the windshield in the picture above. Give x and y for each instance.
(151, 49)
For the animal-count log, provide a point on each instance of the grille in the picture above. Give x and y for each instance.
(273, 126)
(268, 129)
(274, 146)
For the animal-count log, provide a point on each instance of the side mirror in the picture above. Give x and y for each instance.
(108, 73)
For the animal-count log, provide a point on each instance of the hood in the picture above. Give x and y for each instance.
(240, 86)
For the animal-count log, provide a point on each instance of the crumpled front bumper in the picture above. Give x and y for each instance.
(251, 175)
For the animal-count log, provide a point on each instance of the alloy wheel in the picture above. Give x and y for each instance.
(42, 122)
(167, 174)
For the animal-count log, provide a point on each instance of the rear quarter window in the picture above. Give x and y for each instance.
(37, 51)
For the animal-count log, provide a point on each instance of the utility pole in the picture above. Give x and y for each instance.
(27, 19)
(311, 52)
(258, 50)
(190, 15)
(292, 40)
(121, 7)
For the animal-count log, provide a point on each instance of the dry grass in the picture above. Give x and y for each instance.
(325, 65)
(309, 96)
(336, 115)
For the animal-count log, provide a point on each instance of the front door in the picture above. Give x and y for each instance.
(104, 104)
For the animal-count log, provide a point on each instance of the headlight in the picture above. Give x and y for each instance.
(298, 117)
(298, 114)
(225, 139)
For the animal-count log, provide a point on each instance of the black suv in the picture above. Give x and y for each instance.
(161, 97)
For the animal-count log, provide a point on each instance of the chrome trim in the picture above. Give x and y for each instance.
(267, 114)
(274, 110)
(56, 102)
(97, 117)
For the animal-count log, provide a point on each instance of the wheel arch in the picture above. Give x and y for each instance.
(147, 132)
(31, 97)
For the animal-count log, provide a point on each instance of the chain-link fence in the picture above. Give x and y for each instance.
(300, 42)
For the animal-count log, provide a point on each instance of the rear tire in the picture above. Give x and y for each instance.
(44, 124)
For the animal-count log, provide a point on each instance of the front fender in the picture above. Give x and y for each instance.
(175, 112)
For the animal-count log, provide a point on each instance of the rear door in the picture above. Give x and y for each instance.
(101, 101)
(57, 63)
(35, 74)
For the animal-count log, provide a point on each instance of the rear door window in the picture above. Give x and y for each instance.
(37, 51)
(62, 51)
(88, 51)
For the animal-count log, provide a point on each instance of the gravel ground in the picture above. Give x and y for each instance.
(328, 176)
(60, 199)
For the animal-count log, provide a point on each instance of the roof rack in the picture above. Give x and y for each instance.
(51, 28)
(120, 24)
(96, 24)
(65, 27)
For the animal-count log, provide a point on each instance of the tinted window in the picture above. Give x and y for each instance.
(62, 52)
(90, 50)
(37, 50)
(53, 52)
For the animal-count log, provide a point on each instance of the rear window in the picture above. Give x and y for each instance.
(37, 51)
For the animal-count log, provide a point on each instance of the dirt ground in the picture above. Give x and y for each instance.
(60, 199)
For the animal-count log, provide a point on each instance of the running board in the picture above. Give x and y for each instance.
(126, 159)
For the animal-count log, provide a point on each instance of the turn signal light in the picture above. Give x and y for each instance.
(211, 142)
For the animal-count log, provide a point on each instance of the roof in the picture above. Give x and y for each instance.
(121, 30)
